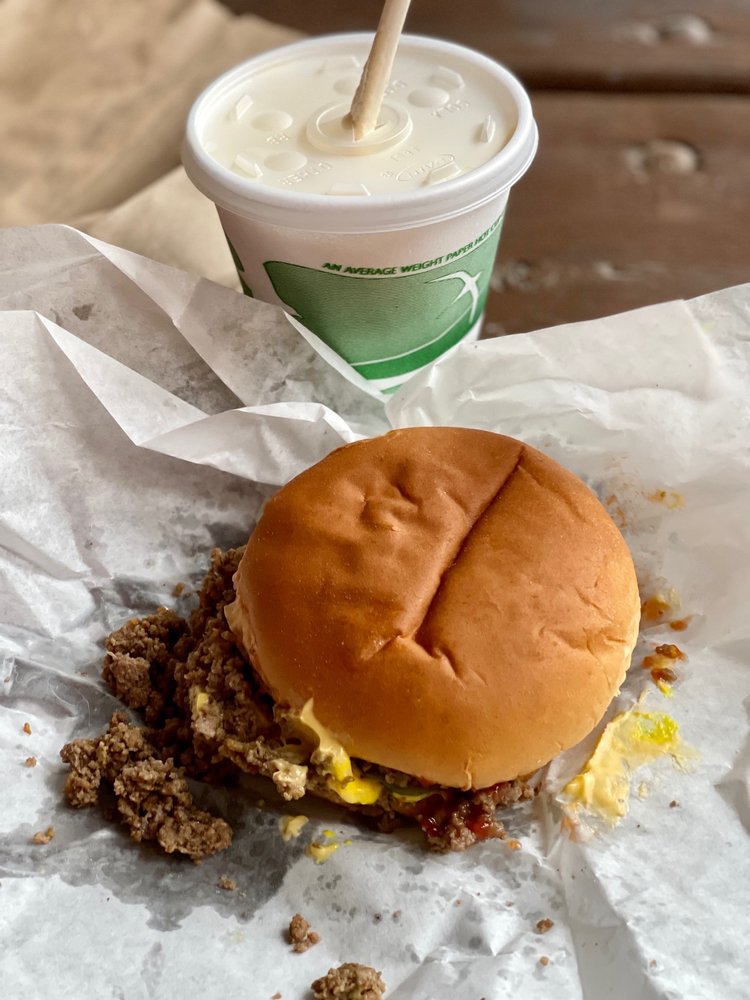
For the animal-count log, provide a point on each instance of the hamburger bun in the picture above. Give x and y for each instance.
(458, 606)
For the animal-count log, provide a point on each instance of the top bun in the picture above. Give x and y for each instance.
(458, 606)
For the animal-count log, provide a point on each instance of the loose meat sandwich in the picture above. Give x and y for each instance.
(417, 624)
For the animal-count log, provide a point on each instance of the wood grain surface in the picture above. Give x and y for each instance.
(701, 45)
(639, 192)
(632, 199)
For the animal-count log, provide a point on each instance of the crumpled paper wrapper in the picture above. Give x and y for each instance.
(146, 416)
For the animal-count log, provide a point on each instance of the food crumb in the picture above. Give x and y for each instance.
(30, 762)
(44, 836)
(178, 589)
(300, 936)
(666, 689)
(661, 663)
(321, 852)
(396, 916)
(671, 651)
(679, 624)
(655, 607)
(673, 804)
(290, 827)
(543, 960)
(377, 917)
(671, 499)
(350, 981)
(513, 844)
(544, 925)
(456, 902)
(660, 670)
(226, 883)
(652, 963)
(276, 996)
(27, 728)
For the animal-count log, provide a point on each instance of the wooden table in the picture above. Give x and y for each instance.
(640, 191)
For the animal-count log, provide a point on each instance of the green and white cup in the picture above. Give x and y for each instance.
(382, 247)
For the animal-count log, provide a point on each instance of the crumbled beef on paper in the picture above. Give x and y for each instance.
(152, 795)
(301, 936)
(453, 821)
(350, 981)
(199, 692)
(207, 713)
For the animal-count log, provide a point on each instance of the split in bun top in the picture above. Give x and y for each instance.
(458, 606)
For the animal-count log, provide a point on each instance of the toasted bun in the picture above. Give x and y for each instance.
(458, 606)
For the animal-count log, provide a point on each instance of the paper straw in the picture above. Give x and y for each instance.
(377, 70)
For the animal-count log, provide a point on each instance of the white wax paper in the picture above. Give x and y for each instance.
(146, 414)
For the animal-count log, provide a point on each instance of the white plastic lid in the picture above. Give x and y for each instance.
(267, 140)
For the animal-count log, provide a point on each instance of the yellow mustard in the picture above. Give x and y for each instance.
(631, 739)
(345, 780)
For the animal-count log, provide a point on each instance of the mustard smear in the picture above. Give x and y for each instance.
(364, 791)
(631, 739)
(290, 827)
(330, 753)
(344, 779)
(666, 689)
(199, 699)
(321, 852)
(671, 499)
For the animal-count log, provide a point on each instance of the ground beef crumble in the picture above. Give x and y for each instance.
(350, 981)
(152, 796)
(207, 716)
(300, 935)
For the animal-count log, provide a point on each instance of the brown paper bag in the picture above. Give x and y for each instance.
(93, 100)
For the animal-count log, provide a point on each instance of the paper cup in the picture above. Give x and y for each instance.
(383, 249)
